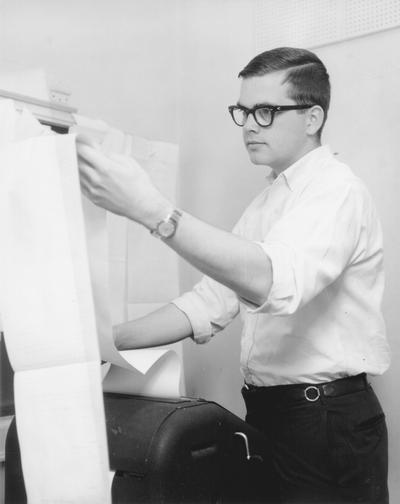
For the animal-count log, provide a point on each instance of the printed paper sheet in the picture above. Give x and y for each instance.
(49, 324)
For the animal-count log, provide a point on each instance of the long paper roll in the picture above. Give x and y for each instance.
(147, 371)
(49, 324)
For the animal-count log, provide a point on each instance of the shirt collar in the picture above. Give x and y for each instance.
(305, 166)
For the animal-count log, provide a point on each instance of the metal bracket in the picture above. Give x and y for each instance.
(246, 444)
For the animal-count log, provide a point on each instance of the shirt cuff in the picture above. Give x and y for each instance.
(192, 306)
(283, 296)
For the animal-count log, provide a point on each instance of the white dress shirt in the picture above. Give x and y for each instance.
(322, 319)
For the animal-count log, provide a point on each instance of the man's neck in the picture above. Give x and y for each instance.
(307, 148)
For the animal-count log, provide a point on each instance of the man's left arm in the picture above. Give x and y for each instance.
(120, 185)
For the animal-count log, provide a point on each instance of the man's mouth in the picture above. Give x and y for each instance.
(251, 143)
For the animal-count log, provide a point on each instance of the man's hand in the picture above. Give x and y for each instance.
(119, 184)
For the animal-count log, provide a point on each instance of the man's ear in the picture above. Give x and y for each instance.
(314, 120)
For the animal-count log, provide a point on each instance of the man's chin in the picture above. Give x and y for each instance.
(259, 159)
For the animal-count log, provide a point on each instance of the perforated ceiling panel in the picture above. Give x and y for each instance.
(312, 23)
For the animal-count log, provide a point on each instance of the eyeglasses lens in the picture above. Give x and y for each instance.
(239, 116)
(263, 116)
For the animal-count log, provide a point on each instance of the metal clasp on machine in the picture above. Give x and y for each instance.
(246, 444)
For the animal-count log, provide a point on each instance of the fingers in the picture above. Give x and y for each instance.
(91, 153)
(91, 162)
(87, 179)
(83, 138)
(87, 169)
(91, 158)
(93, 165)
(86, 173)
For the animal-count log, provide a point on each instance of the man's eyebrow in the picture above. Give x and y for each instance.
(264, 104)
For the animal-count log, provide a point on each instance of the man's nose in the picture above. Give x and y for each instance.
(250, 124)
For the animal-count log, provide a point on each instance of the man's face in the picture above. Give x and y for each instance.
(285, 141)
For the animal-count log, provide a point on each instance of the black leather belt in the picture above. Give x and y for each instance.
(309, 391)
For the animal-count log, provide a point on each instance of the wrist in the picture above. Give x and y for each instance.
(166, 228)
(159, 212)
(117, 336)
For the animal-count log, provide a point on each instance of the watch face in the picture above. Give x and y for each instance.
(166, 229)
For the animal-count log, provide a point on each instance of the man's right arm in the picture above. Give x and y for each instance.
(163, 326)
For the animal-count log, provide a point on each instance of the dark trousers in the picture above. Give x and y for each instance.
(329, 443)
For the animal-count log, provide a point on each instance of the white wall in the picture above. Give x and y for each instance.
(117, 58)
(363, 129)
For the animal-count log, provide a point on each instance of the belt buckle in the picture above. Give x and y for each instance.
(315, 389)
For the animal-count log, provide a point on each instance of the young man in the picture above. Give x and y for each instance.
(303, 266)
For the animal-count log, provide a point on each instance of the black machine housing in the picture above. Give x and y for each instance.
(173, 451)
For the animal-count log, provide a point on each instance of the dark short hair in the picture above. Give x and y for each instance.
(305, 72)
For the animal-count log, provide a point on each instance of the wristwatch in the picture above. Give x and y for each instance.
(167, 227)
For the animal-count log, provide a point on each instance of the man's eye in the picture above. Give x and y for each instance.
(264, 113)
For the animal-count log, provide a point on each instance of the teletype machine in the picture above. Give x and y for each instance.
(173, 451)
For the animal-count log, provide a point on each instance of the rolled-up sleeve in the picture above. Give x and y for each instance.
(311, 245)
(209, 306)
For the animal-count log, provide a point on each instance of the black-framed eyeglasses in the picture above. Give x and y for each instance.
(263, 114)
